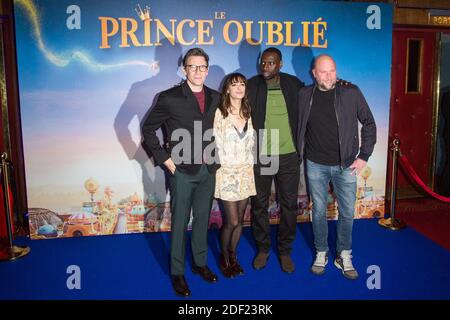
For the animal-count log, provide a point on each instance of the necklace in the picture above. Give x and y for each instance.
(234, 114)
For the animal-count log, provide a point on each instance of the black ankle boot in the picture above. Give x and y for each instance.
(234, 263)
(226, 267)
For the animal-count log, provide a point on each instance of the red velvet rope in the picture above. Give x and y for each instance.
(409, 169)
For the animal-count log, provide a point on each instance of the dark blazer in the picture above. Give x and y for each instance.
(177, 108)
(257, 96)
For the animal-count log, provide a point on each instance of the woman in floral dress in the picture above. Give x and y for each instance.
(234, 136)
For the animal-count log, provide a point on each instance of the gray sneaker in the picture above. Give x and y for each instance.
(318, 267)
(344, 263)
(260, 260)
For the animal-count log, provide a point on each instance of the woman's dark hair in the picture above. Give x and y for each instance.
(225, 103)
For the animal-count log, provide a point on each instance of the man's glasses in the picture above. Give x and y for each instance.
(194, 68)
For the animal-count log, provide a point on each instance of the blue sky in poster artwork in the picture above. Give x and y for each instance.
(76, 104)
(363, 56)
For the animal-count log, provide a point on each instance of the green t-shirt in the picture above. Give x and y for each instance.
(277, 118)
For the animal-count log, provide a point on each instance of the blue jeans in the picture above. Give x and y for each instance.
(344, 183)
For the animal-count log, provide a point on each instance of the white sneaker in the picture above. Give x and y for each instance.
(344, 263)
(318, 267)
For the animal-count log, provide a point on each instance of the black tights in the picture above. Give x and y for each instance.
(232, 228)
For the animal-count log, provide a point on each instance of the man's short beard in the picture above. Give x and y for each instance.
(326, 89)
(272, 76)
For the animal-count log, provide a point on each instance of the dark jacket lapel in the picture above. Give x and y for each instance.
(261, 102)
(208, 98)
(191, 100)
(290, 96)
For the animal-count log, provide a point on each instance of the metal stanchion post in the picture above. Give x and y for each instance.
(391, 222)
(11, 252)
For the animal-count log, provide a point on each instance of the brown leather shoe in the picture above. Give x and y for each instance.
(260, 260)
(205, 273)
(287, 265)
(226, 267)
(180, 286)
(237, 268)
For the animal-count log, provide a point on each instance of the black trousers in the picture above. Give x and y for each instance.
(286, 181)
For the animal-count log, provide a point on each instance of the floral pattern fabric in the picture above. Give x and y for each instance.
(234, 179)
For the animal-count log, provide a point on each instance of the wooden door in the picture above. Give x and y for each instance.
(411, 115)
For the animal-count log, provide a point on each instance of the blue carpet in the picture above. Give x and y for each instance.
(135, 266)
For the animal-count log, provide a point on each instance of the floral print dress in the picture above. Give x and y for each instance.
(234, 179)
